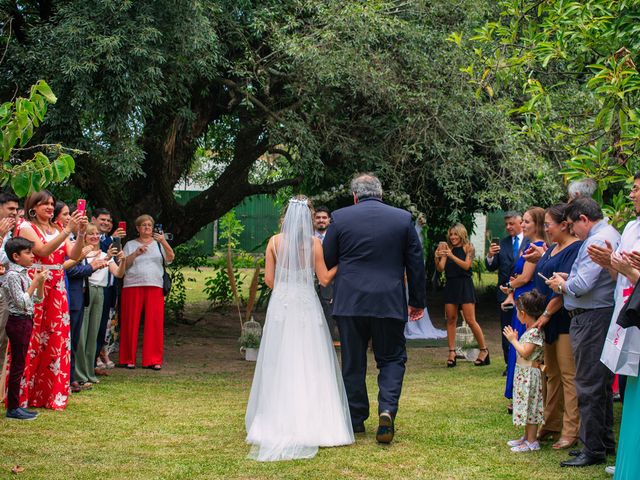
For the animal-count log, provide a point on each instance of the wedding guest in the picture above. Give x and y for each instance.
(142, 291)
(456, 259)
(8, 214)
(61, 214)
(588, 293)
(321, 221)
(21, 294)
(103, 220)
(102, 263)
(627, 460)
(528, 411)
(502, 257)
(47, 368)
(77, 273)
(584, 188)
(561, 412)
(522, 282)
(620, 268)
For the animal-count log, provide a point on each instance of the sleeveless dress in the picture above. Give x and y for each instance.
(515, 323)
(528, 405)
(459, 288)
(47, 365)
(297, 401)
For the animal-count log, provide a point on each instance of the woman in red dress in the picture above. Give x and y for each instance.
(46, 375)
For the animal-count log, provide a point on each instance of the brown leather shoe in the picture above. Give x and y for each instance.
(563, 443)
(75, 387)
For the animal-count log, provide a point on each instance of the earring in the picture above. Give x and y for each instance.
(31, 213)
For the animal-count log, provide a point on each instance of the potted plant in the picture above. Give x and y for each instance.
(249, 344)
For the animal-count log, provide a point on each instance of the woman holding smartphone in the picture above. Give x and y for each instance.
(142, 292)
(522, 282)
(455, 259)
(561, 415)
(46, 375)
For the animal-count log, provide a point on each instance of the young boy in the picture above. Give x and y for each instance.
(20, 293)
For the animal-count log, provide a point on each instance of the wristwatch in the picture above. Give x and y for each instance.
(546, 313)
(560, 289)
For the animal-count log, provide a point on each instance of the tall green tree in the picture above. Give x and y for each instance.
(261, 95)
(566, 70)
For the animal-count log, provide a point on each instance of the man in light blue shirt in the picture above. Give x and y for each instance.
(588, 294)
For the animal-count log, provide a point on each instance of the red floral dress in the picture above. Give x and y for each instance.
(45, 382)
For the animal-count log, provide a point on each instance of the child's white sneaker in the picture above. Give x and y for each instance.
(526, 447)
(516, 443)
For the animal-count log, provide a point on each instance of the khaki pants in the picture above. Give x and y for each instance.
(4, 314)
(561, 412)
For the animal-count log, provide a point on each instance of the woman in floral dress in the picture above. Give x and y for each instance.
(47, 366)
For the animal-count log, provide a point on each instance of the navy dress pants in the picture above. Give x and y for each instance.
(389, 350)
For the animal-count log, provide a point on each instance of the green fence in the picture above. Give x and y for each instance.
(258, 214)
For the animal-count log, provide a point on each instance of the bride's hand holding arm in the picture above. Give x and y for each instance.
(325, 277)
(270, 263)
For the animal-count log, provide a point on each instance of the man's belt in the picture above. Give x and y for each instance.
(579, 311)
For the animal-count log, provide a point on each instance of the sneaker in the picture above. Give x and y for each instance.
(33, 413)
(516, 443)
(526, 447)
(18, 414)
(611, 469)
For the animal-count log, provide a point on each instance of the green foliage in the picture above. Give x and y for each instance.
(218, 288)
(249, 340)
(186, 255)
(566, 74)
(230, 229)
(19, 120)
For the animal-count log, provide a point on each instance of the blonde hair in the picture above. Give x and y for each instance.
(459, 230)
(143, 218)
(91, 228)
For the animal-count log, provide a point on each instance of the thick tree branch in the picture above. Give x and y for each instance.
(275, 186)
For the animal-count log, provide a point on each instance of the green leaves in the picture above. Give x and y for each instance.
(18, 121)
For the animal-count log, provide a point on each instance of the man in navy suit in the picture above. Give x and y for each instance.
(502, 257)
(374, 246)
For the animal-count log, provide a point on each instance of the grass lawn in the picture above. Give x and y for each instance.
(187, 422)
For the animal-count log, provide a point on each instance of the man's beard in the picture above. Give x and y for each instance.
(321, 228)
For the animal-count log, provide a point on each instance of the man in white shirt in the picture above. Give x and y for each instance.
(8, 214)
(321, 221)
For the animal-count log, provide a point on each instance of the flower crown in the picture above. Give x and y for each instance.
(295, 201)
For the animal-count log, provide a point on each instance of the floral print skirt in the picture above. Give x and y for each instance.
(528, 405)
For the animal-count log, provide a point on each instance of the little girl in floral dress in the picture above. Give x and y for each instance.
(528, 408)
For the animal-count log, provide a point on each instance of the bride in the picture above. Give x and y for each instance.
(297, 401)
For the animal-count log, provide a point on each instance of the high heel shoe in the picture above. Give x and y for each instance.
(451, 363)
(485, 361)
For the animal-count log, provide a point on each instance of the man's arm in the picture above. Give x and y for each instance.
(585, 276)
(414, 267)
(330, 246)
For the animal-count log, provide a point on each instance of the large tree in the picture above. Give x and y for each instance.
(151, 89)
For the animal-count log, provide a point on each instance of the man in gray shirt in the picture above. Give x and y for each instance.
(588, 294)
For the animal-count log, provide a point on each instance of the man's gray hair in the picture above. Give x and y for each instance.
(584, 188)
(511, 214)
(366, 185)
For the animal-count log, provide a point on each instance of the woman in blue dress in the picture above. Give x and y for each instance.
(522, 281)
(561, 414)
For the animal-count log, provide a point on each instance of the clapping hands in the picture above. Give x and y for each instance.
(510, 334)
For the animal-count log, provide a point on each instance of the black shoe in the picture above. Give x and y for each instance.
(582, 460)
(485, 361)
(608, 451)
(452, 363)
(385, 428)
(358, 428)
(574, 453)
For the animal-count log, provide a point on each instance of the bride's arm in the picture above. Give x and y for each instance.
(270, 263)
(325, 277)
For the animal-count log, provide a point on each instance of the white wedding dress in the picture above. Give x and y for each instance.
(297, 401)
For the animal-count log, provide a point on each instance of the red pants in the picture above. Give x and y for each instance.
(134, 301)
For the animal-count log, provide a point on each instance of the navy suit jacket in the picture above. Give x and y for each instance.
(373, 245)
(77, 276)
(504, 263)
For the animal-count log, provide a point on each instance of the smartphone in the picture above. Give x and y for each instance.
(157, 228)
(168, 236)
(442, 245)
(543, 277)
(495, 241)
(508, 306)
(123, 226)
(81, 205)
(39, 266)
(117, 243)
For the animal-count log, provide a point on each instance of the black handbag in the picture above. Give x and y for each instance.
(166, 279)
(629, 315)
